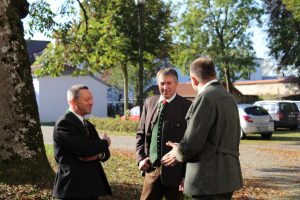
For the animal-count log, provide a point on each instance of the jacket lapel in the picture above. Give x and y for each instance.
(77, 121)
(154, 113)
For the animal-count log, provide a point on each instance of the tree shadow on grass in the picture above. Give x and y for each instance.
(286, 179)
(255, 188)
(124, 191)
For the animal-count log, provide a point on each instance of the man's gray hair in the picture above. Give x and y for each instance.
(167, 71)
(73, 91)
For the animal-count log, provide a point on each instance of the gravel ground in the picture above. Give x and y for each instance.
(275, 164)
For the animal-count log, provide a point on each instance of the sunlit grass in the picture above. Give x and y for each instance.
(283, 136)
(121, 171)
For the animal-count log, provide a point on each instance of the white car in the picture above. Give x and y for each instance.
(255, 119)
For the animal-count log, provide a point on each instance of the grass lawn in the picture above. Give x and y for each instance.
(279, 136)
(126, 181)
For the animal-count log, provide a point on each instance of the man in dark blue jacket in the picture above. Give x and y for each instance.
(78, 151)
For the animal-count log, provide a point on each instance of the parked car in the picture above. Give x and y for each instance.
(296, 102)
(134, 114)
(255, 119)
(284, 113)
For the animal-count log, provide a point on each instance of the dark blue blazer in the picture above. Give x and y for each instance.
(74, 177)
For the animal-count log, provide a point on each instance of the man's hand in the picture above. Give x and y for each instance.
(144, 164)
(89, 158)
(105, 137)
(170, 158)
(181, 185)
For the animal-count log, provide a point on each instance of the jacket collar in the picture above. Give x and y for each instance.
(78, 116)
(202, 88)
(161, 98)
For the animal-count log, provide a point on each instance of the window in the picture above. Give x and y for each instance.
(272, 107)
(256, 110)
(288, 107)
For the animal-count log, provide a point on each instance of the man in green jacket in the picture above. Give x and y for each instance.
(210, 145)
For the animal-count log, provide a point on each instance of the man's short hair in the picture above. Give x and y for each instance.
(167, 71)
(73, 91)
(203, 68)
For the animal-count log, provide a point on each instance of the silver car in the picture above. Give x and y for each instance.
(255, 119)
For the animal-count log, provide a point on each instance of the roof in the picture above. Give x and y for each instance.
(186, 90)
(269, 81)
(35, 48)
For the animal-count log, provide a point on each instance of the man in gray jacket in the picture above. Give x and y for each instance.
(210, 145)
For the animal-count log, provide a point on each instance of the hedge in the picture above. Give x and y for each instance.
(114, 124)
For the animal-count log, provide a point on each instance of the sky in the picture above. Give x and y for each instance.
(259, 37)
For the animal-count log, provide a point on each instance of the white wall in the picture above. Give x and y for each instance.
(268, 87)
(36, 89)
(53, 96)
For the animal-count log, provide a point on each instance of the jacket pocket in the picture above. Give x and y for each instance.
(174, 124)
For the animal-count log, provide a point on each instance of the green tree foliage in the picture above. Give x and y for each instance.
(294, 7)
(284, 36)
(220, 29)
(105, 37)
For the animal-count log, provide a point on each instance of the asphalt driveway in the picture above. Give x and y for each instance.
(118, 142)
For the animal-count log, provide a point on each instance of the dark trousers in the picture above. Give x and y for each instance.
(153, 189)
(225, 196)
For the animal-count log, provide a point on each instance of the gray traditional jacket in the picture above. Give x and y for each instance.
(210, 145)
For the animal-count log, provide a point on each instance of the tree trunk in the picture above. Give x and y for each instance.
(22, 152)
(125, 74)
(227, 80)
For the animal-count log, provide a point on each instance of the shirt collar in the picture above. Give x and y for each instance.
(78, 116)
(202, 88)
(168, 100)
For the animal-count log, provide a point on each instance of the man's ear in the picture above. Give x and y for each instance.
(72, 103)
(194, 80)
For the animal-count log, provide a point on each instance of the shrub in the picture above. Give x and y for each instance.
(114, 124)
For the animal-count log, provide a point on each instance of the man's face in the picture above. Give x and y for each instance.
(167, 86)
(84, 103)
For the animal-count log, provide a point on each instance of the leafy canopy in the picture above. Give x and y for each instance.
(284, 36)
(104, 35)
(220, 29)
(294, 7)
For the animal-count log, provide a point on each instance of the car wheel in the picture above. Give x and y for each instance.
(292, 128)
(243, 134)
(266, 135)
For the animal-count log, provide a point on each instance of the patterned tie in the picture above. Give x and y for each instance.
(86, 127)
(155, 146)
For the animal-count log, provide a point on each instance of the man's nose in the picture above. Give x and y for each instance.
(91, 102)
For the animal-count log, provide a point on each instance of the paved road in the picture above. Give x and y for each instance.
(118, 142)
